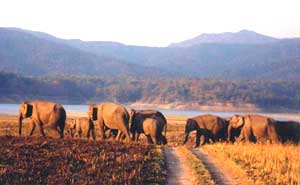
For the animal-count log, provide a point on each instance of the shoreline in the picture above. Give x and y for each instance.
(217, 107)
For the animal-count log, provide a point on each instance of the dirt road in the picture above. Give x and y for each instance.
(223, 172)
(178, 172)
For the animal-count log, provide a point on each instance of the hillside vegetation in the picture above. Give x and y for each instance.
(268, 95)
(236, 56)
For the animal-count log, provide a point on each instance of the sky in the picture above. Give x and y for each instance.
(151, 22)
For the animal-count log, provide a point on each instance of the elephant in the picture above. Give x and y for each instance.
(82, 126)
(110, 116)
(253, 128)
(207, 125)
(42, 113)
(150, 122)
(288, 131)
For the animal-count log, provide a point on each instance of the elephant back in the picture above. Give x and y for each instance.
(288, 131)
(112, 111)
(152, 114)
(206, 121)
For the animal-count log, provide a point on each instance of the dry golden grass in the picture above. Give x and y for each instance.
(201, 175)
(264, 163)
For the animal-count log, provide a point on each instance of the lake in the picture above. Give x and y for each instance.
(14, 108)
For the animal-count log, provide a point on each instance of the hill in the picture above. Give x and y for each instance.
(249, 56)
(241, 37)
(25, 53)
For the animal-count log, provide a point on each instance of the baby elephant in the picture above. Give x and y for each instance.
(82, 127)
(150, 122)
(153, 129)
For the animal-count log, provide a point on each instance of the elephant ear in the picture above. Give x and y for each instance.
(191, 125)
(241, 121)
(28, 109)
(95, 111)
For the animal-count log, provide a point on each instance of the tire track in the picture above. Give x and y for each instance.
(224, 172)
(178, 171)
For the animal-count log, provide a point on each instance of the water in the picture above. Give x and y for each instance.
(14, 108)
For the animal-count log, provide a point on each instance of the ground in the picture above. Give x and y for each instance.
(225, 163)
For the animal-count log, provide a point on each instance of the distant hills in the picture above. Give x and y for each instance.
(241, 37)
(244, 55)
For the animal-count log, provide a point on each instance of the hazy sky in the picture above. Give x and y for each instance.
(153, 22)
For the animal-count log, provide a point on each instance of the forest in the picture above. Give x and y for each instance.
(265, 94)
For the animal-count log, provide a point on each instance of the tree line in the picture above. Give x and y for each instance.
(124, 89)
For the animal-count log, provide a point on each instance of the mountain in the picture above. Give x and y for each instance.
(241, 37)
(26, 53)
(262, 58)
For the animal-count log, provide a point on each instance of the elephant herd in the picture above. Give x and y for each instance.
(249, 128)
(113, 120)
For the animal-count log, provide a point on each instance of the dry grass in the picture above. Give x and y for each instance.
(264, 163)
(200, 173)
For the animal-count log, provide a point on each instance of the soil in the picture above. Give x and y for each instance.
(178, 171)
(223, 171)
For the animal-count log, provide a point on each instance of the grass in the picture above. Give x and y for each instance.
(38, 160)
(155, 169)
(200, 173)
(27, 160)
(264, 163)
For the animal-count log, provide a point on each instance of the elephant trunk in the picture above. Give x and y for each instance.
(186, 137)
(229, 133)
(20, 118)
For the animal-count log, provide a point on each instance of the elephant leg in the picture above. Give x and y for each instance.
(123, 129)
(119, 136)
(61, 127)
(80, 132)
(202, 139)
(91, 129)
(133, 135)
(198, 135)
(154, 139)
(33, 125)
(242, 136)
(137, 138)
(41, 127)
(149, 139)
(93, 133)
(101, 126)
(164, 140)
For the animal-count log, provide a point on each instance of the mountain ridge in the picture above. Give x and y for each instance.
(50, 55)
(241, 37)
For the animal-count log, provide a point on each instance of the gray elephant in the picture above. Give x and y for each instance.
(207, 126)
(288, 131)
(43, 113)
(82, 126)
(150, 122)
(110, 116)
(253, 128)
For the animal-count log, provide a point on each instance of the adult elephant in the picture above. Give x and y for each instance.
(82, 126)
(150, 122)
(253, 128)
(210, 126)
(43, 113)
(110, 116)
(288, 131)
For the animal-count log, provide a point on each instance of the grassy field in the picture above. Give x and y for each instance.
(264, 163)
(22, 157)
(37, 160)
